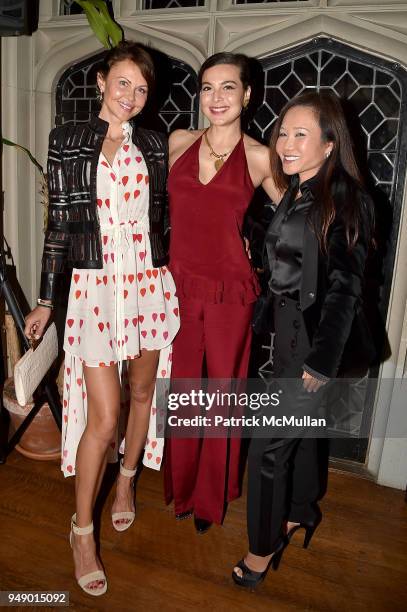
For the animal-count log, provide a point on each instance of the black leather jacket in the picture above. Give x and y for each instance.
(73, 235)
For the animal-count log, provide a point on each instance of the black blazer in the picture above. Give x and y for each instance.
(331, 294)
(73, 235)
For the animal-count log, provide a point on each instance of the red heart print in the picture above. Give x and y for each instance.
(155, 273)
(139, 178)
(138, 159)
(158, 459)
(99, 202)
(152, 288)
(76, 277)
(163, 373)
(176, 311)
(96, 310)
(68, 371)
(105, 257)
(144, 333)
(141, 318)
(107, 202)
(142, 254)
(127, 195)
(165, 335)
(77, 294)
(149, 455)
(162, 316)
(112, 176)
(70, 340)
(167, 295)
(105, 280)
(127, 161)
(134, 321)
(108, 325)
(79, 382)
(154, 444)
(147, 179)
(80, 323)
(139, 276)
(105, 239)
(101, 326)
(131, 278)
(125, 148)
(148, 272)
(69, 322)
(154, 316)
(154, 333)
(125, 293)
(98, 281)
(69, 469)
(126, 322)
(142, 292)
(125, 180)
(136, 193)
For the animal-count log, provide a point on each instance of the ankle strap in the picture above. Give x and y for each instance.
(125, 472)
(80, 530)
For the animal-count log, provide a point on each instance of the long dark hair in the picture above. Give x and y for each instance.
(233, 59)
(339, 177)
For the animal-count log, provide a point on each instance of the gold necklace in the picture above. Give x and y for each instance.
(219, 161)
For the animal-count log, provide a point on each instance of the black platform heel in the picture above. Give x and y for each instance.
(309, 531)
(250, 578)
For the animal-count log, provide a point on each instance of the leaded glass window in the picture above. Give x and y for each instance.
(373, 92)
(167, 4)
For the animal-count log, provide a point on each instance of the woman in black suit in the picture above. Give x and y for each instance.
(316, 246)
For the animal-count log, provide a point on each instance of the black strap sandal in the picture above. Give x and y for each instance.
(249, 578)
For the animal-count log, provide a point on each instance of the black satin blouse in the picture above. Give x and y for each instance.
(284, 240)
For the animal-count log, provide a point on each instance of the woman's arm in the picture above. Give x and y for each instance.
(345, 272)
(56, 242)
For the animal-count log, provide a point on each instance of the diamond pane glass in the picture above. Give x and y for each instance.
(167, 4)
(372, 93)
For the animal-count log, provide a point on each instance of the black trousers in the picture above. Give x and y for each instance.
(283, 472)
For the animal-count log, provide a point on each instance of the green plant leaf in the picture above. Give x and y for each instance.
(10, 143)
(107, 31)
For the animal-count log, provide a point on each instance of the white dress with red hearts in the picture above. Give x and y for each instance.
(116, 311)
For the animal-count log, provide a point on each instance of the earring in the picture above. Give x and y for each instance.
(327, 154)
(99, 95)
(245, 103)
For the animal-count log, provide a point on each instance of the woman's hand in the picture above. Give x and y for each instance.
(311, 384)
(247, 247)
(36, 322)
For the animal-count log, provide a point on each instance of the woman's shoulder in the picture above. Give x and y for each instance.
(179, 138)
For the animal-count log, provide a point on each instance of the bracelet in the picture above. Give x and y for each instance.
(41, 302)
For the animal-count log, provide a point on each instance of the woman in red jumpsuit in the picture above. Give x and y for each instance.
(213, 175)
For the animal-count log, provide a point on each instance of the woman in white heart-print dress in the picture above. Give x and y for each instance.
(122, 309)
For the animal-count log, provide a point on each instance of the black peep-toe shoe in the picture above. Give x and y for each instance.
(249, 578)
(181, 516)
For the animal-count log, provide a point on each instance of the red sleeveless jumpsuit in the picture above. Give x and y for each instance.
(216, 288)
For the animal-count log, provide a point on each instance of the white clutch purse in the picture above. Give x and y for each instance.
(34, 364)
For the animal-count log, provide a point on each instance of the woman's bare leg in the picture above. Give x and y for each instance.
(142, 377)
(103, 392)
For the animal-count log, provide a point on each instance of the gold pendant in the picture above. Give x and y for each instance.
(218, 164)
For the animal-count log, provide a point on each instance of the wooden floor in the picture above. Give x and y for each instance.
(357, 559)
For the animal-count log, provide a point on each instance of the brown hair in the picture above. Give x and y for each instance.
(340, 165)
(136, 53)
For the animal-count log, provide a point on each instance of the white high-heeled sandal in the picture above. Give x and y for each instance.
(129, 515)
(95, 576)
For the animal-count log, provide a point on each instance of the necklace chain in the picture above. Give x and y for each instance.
(219, 157)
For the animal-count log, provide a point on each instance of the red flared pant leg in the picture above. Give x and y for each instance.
(227, 346)
(182, 454)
